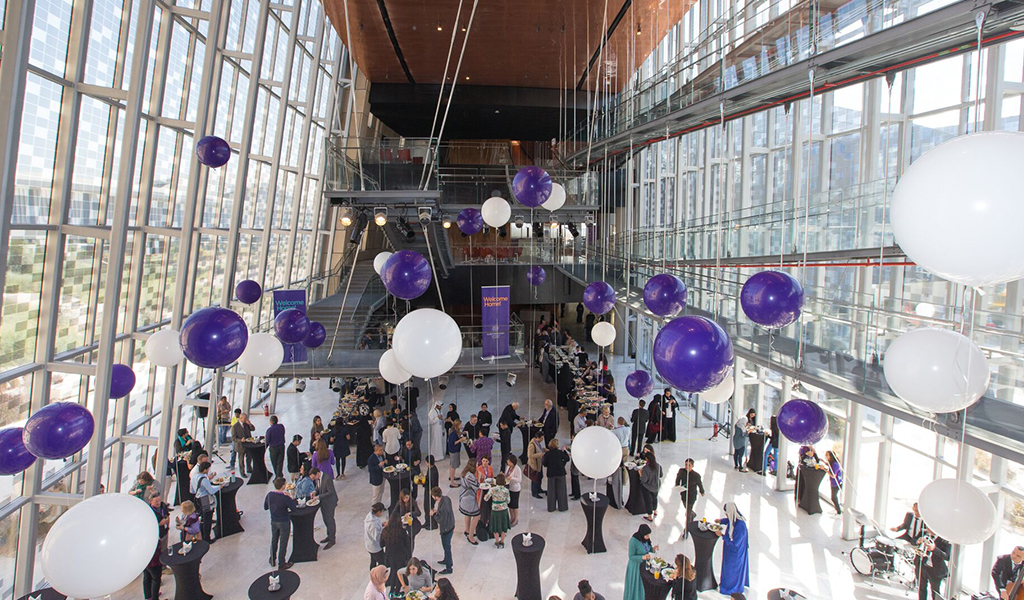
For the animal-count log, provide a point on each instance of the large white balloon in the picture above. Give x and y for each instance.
(603, 333)
(596, 452)
(721, 392)
(390, 370)
(496, 211)
(379, 260)
(556, 199)
(957, 511)
(937, 370)
(427, 343)
(99, 545)
(163, 348)
(957, 210)
(262, 355)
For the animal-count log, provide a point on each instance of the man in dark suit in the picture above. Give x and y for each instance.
(470, 429)
(550, 419)
(912, 526)
(506, 425)
(690, 480)
(328, 497)
(931, 567)
(485, 419)
(639, 428)
(1007, 570)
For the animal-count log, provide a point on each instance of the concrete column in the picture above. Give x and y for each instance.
(782, 483)
(851, 466)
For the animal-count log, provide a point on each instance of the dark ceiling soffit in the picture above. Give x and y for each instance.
(476, 95)
(394, 40)
(600, 47)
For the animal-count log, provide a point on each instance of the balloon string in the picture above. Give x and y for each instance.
(430, 254)
(807, 206)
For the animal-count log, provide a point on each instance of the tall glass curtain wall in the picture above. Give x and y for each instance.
(260, 216)
(742, 192)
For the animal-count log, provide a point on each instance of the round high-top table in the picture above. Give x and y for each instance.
(186, 570)
(784, 594)
(703, 550)
(304, 547)
(397, 480)
(528, 567)
(654, 588)
(756, 461)
(228, 522)
(257, 453)
(635, 502)
(528, 431)
(594, 511)
(44, 594)
(289, 581)
(808, 480)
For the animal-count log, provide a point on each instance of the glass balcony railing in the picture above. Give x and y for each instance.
(381, 164)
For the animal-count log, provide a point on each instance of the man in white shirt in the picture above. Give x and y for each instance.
(392, 440)
(193, 475)
(621, 431)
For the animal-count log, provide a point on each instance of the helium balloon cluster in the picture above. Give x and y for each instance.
(772, 299)
(693, 354)
(802, 422)
(53, 432)
(665, 295)
(639, 384)
(426, 343)
(406, 274)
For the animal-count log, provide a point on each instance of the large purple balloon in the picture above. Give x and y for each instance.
(291, 326)
(58, 430)
(213, 337)
(248, 291)
(122, 381)
(406, 274)
(802, 422)
(470, 221)
(14, 456)
(772, 298)
(665, 295)
(213, 151)
(532, 186)
(599, 297)
(536, 275)
(316, 336)
(639, 384)
(693, 353)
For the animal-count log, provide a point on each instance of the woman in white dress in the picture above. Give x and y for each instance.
(435, 422)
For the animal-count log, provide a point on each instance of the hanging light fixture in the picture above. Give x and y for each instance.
(380, 216)
(346, 217)
(446, 222)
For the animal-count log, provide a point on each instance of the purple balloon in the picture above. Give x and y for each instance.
(248, 291)
(58, 430)
(802, 422)
(14, 456)
(532, 186)
(213, 337)
(772, 298)
(693, 353)
(639, 384)
(536, 275)
(291, 325)
(316, 336)
(406, 274)
(470, 221)
(122, 381)
(213, 151)
(599, 297)
(665, 295)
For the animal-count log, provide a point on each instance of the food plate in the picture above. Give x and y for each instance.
(659, 563)
(668, 573)
(630, 465)
(401, 466)
(415, 595)
(312, 502)
(485, 486)
(389, 469)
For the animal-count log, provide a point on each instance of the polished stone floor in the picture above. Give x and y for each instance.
(796, 551)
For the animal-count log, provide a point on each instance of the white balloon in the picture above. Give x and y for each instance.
(427, 343)
(390, 370)
(603, 333)
(596, 452)
(556, 199)
(379, 260)
(262, 355)
(937, 370)
(923, 309)
(99, 545)
(957, 511)
(496, 211)
(957, 209)
(721, 392)
(164, 349)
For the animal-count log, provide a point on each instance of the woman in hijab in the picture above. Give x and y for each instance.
(640, 550)
(375, 589)
(363, 427)
(341, 436)
(654, 420)
(735, 562)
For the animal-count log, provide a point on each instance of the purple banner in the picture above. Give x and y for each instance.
(283, 300)
(494, 318)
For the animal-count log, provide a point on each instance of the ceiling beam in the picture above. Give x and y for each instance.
(394, 40)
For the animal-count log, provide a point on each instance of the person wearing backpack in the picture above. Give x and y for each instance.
(206, 496)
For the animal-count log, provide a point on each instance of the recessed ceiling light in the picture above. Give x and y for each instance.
(638, 30)
(496, 111)
(463, 29)
(467, 77)
(439, 28)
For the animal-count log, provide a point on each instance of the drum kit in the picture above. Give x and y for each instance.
(883, 557)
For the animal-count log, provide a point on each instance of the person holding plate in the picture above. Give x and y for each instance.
(640, 551)
(735, 559)
(684, 581)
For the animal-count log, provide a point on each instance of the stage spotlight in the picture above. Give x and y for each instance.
(300, 386)
(358, 227)
(405, 229)
(478, 381)
(502, 232)
(442, 382)
(346, 217)
(335, 384)
(510, 380)
(589, 220)
(538, 230)
(380, 216)
(264, 386)
(554, 223)
(519, 221)
(573, 231)
(423, 213)
(446, 222)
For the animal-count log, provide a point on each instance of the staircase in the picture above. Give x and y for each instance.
(358, 308)
(438, 239)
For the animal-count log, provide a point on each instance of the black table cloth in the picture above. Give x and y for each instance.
(635, 502)
(528, 567)
(289, 581)
(397, 481)
(228, 522)
(594, 511)
(304, 547)
(654, 588)
(610, 493)
(44, 594)
(257, 454)
(528, 432)
(429, 522)
(704, 550)
(186, 570)
(808, 480)
(182, 482)
(756, 461)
